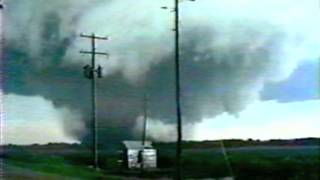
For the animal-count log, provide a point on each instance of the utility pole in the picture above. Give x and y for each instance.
(91, 72)
(1, 91)
(177, 82)
(145, 101)
(178, 100)
(177, 87)
(144, 130)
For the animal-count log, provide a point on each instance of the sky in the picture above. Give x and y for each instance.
(249, 69)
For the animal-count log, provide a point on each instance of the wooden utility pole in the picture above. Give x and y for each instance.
(1, 92)
(178, 101)
(177, 89)
(91, 72)
(144, 129)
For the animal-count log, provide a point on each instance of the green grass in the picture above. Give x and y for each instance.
(285, 163)
(54, 164)
(249, 163)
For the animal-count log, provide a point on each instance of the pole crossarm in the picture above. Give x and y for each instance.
(91, 52)
(94, 36)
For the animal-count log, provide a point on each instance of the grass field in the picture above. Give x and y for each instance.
(246, 162)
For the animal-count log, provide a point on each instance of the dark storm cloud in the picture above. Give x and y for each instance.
(224, 66)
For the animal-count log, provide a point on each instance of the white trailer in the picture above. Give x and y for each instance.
(136, 155)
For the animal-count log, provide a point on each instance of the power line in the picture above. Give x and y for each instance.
(91, 72)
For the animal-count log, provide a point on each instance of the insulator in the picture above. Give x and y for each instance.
(99, 72)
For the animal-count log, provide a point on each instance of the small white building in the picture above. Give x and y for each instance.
(135, 155)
